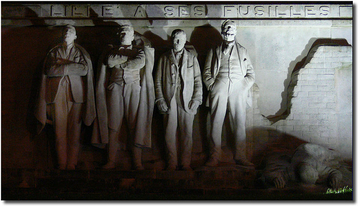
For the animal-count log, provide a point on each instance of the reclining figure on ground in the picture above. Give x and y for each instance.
(310, 164)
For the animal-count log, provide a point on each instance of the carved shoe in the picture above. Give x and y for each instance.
(70, 167)
(212, 162)
(62, 167)
(109, 165)
(244, 162)
(187, 168)
(171, 168)
(139, 167)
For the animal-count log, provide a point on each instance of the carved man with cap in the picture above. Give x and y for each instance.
(178, 94)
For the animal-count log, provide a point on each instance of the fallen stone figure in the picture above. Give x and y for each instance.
(310, 164)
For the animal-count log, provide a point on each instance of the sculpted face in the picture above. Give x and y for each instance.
(69, 35)
(228, 32)
(179, 41)
(126, 35)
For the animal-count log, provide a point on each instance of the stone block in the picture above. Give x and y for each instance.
(317, 105)
(308, 88)
(302, 128)
(314, 71)
(315, 65)
(328, 87)
(325, 77)
(175, 175)
(307, 77)
(331, 105)
(317, 93)
(327, 111)
(325, 82)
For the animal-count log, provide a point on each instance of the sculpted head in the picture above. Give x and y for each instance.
(308, 174)
(178, 38)
(69, 34)
(126, 34)
(228, 30)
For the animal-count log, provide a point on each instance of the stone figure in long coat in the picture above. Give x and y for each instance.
(66, 97)
(178, 94)
(228, 75)
(125, 91)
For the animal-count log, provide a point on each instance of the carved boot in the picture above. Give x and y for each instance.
(212, 162)
(214, 157)
(240, 159)
(109, 165)
(137, 158)
(112, 150)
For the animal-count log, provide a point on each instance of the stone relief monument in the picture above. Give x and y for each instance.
(228, 75)
(302, 54)
(66, 97)
(178, 95)
(125, 91)
(310, 164)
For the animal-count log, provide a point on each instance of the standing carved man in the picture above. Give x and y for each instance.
(67, 96)
(125, 91)
(228, 75)
(178, 89)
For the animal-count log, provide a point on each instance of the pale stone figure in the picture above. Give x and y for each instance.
(125, 91)
(178, 89)
(67, 96)
(310, 164)
(228, 75)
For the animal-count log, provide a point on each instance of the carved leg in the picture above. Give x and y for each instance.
(186, 142)
(237, 115)
(218, 107)
(170, 122)
(113, 147)
(74, 131)
(137, 161)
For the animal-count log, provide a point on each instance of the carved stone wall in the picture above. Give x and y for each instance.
(277, 38)
(322, 100)
(319, 107)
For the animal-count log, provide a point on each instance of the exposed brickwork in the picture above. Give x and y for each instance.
(314, 104)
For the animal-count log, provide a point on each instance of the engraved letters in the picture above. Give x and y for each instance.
(242, 11)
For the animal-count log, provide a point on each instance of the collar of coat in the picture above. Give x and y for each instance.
(173, 59)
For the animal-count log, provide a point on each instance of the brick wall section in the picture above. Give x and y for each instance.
(314, 106)
(320, 107)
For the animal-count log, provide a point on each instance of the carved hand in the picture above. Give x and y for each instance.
(115, 60)
(162, 106)
(334, 182)
(111, 61)
(61, 61)
(111, 86)
(279, 182)
(193, 105)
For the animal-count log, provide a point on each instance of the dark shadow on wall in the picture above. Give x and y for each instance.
(204, 38)
(294, 68)
(267, 141)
